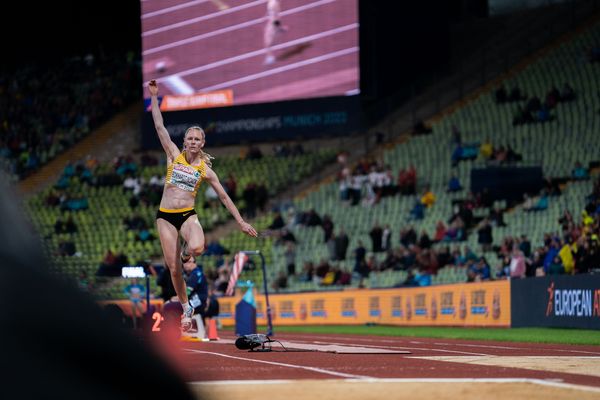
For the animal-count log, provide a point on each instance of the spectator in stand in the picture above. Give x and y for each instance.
(579, 172)
(408, 236)
(360, 262)
(486, 150)
(525, 245)
(344, 278)
(290, 259)
(500, 154)
(312, 218)
(496, 217)
(331, 276)
(285, 236)
(111, 264)
(67, 226)
(372, 265)
(456, 137)
(230, 186)
(444, 257)
(556, 267)
(454, 184)
(386, 238)
(550, 253)
(501, 95)
(552, 97)
(517, 264)
(440, 231)
(424, 240)
(327, 225)
(407, 180)
(277, 222)
(567, 94)
(543, 114)
(307, 272)
(479, 271)
(341, 245)
(421, 129)
(262, 196)
(249, 196)
(408, 258)
(391, 261)
(215, 248)
(418, 211)
(253, 153)
(457, 258)
(423, 278)
(355, 189)
(428, 198)
(552, 186)
(522, 116)
(484, 235)
(515, 94)
(535, 267)
(512, 156)
(409, 281)
(539, 203)
(504, 269)
(66, 248)
(281, 282)
(376, 235)
(321, 270)
(566, 257)
(457, 154)
(566, 220)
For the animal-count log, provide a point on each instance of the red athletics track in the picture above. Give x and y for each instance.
(215, 361)
(317, 56)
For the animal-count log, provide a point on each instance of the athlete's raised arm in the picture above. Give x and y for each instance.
(163, 135)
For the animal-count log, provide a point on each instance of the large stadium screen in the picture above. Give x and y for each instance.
(215, 53)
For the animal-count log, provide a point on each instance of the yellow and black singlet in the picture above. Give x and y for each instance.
(185, 176)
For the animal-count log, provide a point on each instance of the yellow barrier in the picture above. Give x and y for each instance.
(468, 304)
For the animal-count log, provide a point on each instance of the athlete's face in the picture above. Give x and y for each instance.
(194, 140)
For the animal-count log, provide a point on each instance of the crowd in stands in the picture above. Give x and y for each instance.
(45, 109)
(30, 136)
(369, 181)
(573, 249)
(534, 109)
(484, 151)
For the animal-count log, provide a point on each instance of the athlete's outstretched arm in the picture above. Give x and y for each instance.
(163, 135)
(212, 178)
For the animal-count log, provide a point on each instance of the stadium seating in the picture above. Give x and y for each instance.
(101, 227)
(52, 107)
(556, 146)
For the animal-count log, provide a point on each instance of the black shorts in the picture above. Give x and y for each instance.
(175, 217)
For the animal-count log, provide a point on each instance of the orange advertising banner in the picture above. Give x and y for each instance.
(217, 98)
(468, 304)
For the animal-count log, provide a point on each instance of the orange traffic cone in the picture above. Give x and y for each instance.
(212, 329)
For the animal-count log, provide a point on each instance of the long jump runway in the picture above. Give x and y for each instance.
(390, 367)
(316, 56)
